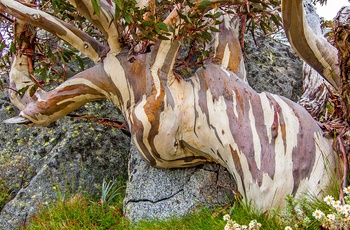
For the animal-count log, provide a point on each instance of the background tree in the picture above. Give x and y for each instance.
(183, 110)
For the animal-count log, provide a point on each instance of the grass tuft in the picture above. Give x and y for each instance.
(78, 212)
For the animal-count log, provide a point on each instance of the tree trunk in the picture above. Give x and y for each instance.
(342, 41)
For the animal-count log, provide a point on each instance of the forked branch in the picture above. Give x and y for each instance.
(104, 21)
(80, 40)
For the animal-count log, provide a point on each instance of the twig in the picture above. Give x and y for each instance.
(103, 121)
(7, 18)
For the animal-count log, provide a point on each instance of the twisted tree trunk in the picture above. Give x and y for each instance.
(270, 144)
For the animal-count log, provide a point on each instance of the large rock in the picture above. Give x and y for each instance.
(273, 66)
(39, 165)
(163, 193)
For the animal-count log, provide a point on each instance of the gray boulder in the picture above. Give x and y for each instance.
(273, 66)
(163, 193)
(40, 165)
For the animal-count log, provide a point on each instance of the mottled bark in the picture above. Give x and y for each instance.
(316, 92)
(271, 145)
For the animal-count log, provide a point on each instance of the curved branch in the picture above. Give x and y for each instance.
(21, 67)
(104, 21)
(90, 85)
(80, 40)
(315, 50)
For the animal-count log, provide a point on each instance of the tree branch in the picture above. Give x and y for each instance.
(104, 22)
(80, 40)
(315, 50)
(90, 85)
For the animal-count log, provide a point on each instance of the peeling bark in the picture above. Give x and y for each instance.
(271, 145)
(316, 92)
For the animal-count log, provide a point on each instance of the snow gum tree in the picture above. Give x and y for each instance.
(183, 111)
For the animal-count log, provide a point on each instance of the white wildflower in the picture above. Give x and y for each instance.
(347, 190)
(318, 214)
(340, 209)
(336, 204)
(331, 217)
(251, 225)
(329, 200)
(288, 228)
(236, 226)
(226, 217)
(347, 209)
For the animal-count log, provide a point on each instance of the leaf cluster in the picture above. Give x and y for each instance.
(141, 23)
(198, 22)
(261, 14)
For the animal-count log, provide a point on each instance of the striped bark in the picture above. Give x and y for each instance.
(270, 144)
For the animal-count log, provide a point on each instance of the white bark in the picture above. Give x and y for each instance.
(81, 41)
(314, 49)
(104, 22)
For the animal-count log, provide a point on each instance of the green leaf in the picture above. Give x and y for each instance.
(161, 37)
(96, 6)
(2, 46)
(22, 91)
(204, 4)
(32, 90)
(119, 4)
(217, 14)
(214, 29)
(12, 47)
(146, 24)
(127, 17)
(162, 26)
(184, 17)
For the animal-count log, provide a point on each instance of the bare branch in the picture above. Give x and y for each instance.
(104, 22)
(315, 50)
(90, 85)
(80, 40)
(7, 18)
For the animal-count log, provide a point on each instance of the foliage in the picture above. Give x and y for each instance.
(336, 214)
(202, 219)
(78, 212)
(245, 214)
(260, 14)
(109, 191)
(198, 21)
(54, 60)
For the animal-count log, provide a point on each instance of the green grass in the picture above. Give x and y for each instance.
(80, 212)
(200, 220)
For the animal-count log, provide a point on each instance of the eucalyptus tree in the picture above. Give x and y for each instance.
(183, 108)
